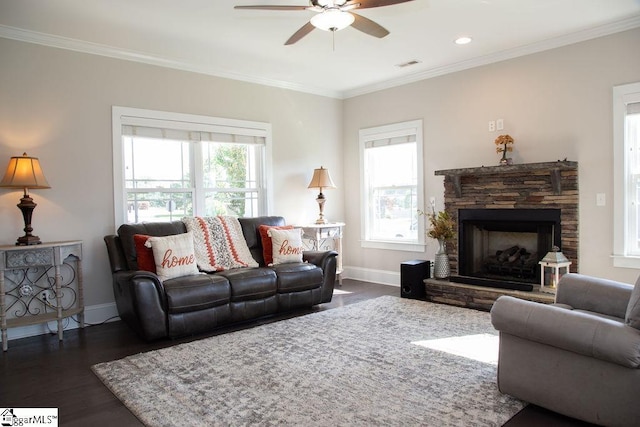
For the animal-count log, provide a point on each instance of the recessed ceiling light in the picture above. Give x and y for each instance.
(463, 40)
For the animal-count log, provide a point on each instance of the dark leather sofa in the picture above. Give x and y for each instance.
(198, 303)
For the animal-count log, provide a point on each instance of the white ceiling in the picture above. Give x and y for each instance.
(209, 36)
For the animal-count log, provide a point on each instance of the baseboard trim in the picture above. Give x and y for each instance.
(93, 315)
(383, 277)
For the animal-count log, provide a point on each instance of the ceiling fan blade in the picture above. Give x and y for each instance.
(364, 4)
(303, 31)
(272, 7)
(367, 26)
(350, 5)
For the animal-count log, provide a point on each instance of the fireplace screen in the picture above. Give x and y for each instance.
(506, 244)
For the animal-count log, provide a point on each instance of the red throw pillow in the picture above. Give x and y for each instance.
(267, 249)
(144, 255)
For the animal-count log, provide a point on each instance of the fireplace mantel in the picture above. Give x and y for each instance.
(553, 168)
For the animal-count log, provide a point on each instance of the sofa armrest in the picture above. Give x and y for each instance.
(594, 294)
(326, 260)
(141, 302)
(578, 332)
(116, 257)
(319, 258)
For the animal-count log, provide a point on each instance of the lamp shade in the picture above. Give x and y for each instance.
(321, 179)
(332, 20)
(24, 172)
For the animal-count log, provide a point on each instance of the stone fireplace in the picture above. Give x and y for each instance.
(508, 218)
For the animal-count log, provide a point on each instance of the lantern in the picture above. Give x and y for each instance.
(554, 265)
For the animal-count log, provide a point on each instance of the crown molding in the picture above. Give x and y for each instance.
(567, 39)
(76, 45)
(131, 55)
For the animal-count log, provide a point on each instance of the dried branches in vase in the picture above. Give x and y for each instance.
(442, 228)
(505, 141)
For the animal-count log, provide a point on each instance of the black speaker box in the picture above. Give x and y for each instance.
(412, 274)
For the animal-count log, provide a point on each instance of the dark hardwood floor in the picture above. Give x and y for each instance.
(43, 372)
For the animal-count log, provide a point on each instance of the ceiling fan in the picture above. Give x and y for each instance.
(334, 15)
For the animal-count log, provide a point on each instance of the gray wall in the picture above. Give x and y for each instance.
(556, 104)
(56, 105)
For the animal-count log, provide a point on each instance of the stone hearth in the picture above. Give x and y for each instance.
(478, 297)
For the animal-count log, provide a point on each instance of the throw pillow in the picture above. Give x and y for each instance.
(219, 243)
(287, 245)
(174, 255)
(267, 248)
(632, 317)
(144, 255)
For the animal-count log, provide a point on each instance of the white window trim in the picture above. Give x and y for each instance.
(621, 96)
(127, 115)
(381, 132)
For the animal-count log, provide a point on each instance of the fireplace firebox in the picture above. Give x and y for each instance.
(502, 247)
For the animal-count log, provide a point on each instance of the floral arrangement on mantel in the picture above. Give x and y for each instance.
(441, 225)
(506, 141)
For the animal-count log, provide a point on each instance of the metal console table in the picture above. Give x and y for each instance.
(40, 284)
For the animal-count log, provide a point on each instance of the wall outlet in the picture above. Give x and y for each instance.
(601, 199)
(492, 126)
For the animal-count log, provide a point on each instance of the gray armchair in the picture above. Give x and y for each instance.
(580, 356)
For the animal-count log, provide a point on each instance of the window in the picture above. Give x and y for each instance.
(392, 186)
(169, 165)
(626, 136)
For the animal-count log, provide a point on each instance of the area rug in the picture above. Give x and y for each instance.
(364, 364)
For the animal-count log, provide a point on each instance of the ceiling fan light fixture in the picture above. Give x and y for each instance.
(332, 20)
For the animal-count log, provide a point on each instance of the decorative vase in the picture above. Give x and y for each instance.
(441, 269)
(505, 160)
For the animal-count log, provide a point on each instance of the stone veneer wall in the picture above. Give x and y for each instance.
(550, 185)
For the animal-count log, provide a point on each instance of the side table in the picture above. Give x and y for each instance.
(325, 237)
(39, 284)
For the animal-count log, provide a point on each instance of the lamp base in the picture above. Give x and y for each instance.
(320, 199)
(28, 240)
(27, 206)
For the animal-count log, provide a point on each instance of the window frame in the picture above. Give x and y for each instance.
(413, 127)
(190, 122)
(622, 95)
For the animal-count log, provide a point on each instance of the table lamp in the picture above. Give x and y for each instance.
(25, 172)
(321, 179)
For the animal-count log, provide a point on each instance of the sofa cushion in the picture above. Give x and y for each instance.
(250, 283)
(127, 231)
(252, 235)
(632, 316)
(197, 292)
(295, 277)
(267, 244)
(173, 255)
(144, 255)
(287, 245)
